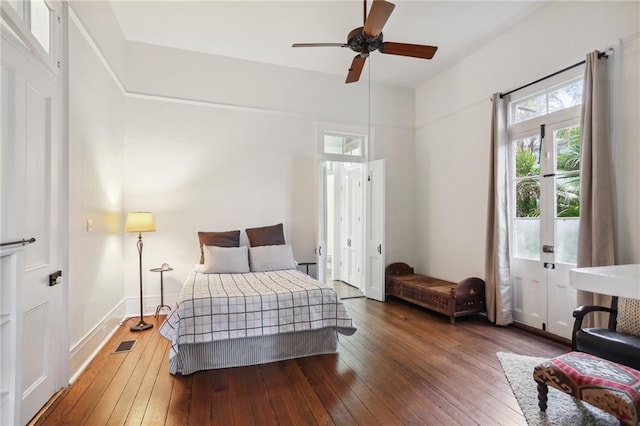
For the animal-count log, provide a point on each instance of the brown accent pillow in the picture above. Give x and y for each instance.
(266, 236)
(219, 239)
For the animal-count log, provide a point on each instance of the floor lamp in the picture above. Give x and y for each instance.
(140, 222)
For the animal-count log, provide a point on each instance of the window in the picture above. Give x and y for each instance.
(343, 144)
(41, 23)
(562, 96)
(544, 132)
(33, 21)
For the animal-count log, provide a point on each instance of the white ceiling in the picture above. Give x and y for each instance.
(264, 30)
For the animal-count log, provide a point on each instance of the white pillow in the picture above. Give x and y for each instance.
(271, 258)
(225, 260)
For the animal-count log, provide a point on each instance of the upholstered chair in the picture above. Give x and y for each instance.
(620, 341)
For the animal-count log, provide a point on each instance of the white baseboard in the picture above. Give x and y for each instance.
(83, 352)
(150, 303)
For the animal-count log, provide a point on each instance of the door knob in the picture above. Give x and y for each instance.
(55, 278)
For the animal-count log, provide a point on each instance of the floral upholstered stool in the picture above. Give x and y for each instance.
(612, 387)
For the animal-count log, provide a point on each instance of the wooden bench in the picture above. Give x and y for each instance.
(455, 300)
(612, 387)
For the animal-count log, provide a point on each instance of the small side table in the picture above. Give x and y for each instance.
(161, 305)
(306, 265)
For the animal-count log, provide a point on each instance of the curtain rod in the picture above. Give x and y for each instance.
(600, 55)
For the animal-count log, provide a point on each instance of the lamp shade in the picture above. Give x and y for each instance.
(139, 222)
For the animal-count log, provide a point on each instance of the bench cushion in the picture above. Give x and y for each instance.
(612, 387)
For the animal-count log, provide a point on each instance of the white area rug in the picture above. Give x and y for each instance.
(562, 409)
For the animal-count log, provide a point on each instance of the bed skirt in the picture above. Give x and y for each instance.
(253, 350)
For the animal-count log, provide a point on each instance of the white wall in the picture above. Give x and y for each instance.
(96, 135)
(215, 143)
(453, 113)
(243, 154)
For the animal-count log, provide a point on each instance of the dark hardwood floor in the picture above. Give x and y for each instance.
(404, 365)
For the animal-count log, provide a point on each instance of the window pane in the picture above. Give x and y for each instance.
(568, 195)
(565, 96)
(567, 240)
(527, 152)
(527, 239)
(528, 108)
(353, 146)
(332, 144)
(567, 142)
(528, 197)
(347, 145)
(40, 23)
(527, 173)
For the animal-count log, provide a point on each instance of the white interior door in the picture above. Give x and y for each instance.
(375, 231)
(355, 218)
(321, 248)
(33, 202)
(350, 241)
(344, 219)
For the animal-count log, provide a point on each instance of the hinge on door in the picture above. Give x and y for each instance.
(544, 326)
(369, 178)
(59, 20)
(59, 64)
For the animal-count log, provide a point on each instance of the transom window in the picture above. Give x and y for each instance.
(35, 17)
(335, 143)
(555, 98)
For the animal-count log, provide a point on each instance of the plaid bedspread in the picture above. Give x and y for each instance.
(227, 306)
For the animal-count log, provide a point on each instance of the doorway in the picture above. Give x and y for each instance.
(350, 254)
(344, 211)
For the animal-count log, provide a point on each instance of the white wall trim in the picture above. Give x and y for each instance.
(212, 104)
(83, 352)
(187, 101)
(150, 303)
(97, 51)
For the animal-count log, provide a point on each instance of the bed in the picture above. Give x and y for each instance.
(453, 299)
(236, 319)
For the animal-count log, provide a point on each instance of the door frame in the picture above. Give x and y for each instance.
(322, 159)
(535, 287)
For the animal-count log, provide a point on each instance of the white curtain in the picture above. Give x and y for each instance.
(596, 243)
(497, 272)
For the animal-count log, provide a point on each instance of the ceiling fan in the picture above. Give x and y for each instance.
(368, 38)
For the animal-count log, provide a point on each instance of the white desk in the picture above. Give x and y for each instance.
(616, 280)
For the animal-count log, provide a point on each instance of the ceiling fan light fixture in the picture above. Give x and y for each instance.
(368, 38)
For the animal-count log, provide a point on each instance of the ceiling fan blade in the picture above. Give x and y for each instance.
(405, 49)
(356, 69)
(319, 45)
(378, 15)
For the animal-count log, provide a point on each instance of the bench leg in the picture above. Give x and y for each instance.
(542, 396)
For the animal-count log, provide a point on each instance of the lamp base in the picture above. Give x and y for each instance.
(141, 326)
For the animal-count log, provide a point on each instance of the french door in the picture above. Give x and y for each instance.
(545, 210)
(350, 240)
